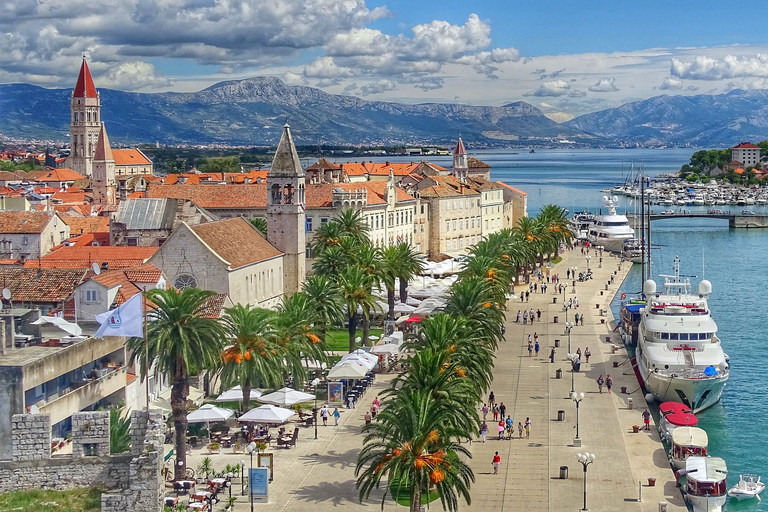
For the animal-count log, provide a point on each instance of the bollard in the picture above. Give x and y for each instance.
(601, 291)
(554, 300)
(560, 415)
(555, 319)
(559, 373)
(651, 482)
(615, 364)
(624, 390)
(563, 472)
(635, 429)
(597, 306)
(630, 403)
(606, 287)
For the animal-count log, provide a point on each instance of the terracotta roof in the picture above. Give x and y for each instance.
(146, 273)
(322, 195)
(8, 176)
(116, 257)
(31, 175)
(45, 190)
(23, 222)
(62, 174)
(356, 169)
(324, 164)
(214, 305)
(129, 157)
(446, 191)
(398, 169)
(12, 262)
(474, 163)
(84, 87)
(79, 225)
(89, 239)
(40, 284)
(745, 145)
(236, 241)
(69, 197)
(136, 195)
(512, 188)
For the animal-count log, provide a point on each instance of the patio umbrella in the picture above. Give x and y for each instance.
(267, 413)
(362, 353)
(286, 397)
(62, 324)
(404, 308)
(236, 395)
(347, 371)
(208, 413)
(413, 320)
(352, 358)
(387, 348)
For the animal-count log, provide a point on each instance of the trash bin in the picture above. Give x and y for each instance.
(560, 415)
(557, 343)
(630, 403)
(601, 291)
(559, 373)
(624, 391)
(563, 472)
(555, 319)
(554, 300)
(651, 481)
(635, 429)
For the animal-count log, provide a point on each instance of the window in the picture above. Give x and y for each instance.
(461, 223)
(466, 203)
(91, 295)
(61, 236)
(473, 223)
(309, 224)
(323, 220)
(454, 224)
(447, 205)
(132, 241)
(447, 225)
(185, 281)
(454, 205)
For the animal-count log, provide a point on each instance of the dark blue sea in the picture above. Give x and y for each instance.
(733, 260)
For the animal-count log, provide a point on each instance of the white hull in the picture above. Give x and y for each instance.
(698, 394)
(610, 244)
(706, 504)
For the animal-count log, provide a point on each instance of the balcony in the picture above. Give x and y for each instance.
(62, 406)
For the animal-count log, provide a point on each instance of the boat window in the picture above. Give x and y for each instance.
(694, 336)
(673, 336)
(684, 336)
(665, 335)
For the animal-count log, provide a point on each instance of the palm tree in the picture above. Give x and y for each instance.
(410, 265)
(181, 341)
(556, 222)
(297, 317)
(415, 448)
(368, 257)
(326, 301)
(353, 225)
(327, 235)
(255, 356)
(356, 286)
(260, 223)
(330, 262)
(477, 300)
(389, 262)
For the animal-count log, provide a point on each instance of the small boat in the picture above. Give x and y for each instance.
(687, 442)
(705, 483)
(749, 486)
(674, 415)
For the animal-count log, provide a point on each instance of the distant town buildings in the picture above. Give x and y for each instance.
(746, 153)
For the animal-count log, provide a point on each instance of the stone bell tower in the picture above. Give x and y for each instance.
(460, 165)
(286, 216)
(85, 123)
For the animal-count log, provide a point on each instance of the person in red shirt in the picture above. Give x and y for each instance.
(496, 463)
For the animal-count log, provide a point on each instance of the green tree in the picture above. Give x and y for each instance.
(555, 220)
(356, 291)
(119, 431)
(297, 318)
(220, 164)
(260, 223)
(326, 301)
(181, 342)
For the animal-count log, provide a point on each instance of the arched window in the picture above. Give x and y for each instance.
(277, 195)
(185, 281)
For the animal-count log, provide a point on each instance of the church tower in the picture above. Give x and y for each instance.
(286, 218)
(104, 185)
(85, 123)
(460, 166)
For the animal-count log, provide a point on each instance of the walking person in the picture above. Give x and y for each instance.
(608, 382)
(526, 296)
(502, 410)
(536, 347)
(484, 430)
(500, 429)
(491, 400)
(552, 355)
(496, 463)
(600, 383)
(519, 316)
(525, 317)
(324, 415)
(582, 320)
(519, 429)
(336, 417)
(367, 417)
(495, 413)
(531, 315)
(530, 349)
(510, 425)
(576, 317)
(647, 419)
(535, 336)
(587, 353)
(527, 428)
(538, 314)
(485, 412)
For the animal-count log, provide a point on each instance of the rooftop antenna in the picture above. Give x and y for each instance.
(96, 268)
(7, 297)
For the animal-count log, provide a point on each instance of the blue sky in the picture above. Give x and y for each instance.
(564, 57)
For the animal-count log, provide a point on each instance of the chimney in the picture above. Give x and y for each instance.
(104, 266)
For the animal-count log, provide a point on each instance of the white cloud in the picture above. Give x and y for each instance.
(554, 88)
(604, 85)
(133, 76)
(671, 84)
(377, 87)
(291, 78)
(559, 117)
(576, 94)
(707, 68)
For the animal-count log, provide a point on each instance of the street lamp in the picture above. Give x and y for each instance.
(315, 383)
(573, 275)
(572, 357)
(242, 478)
(252, 448)
(229, 484)
(577, 398)
(588, 257)
(585, 459)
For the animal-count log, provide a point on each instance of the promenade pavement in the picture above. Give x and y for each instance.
(320, 473)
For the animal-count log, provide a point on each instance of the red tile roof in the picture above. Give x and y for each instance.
(23, 222)
(116, 257)
(84, 87)
(474, 163)
(146, 273)
(459, 148)
(41, 284)
(323, 164)
(129, 157)
(61, 175)
(236, 241)
(512, 188)
(745, 145)
(78, 225)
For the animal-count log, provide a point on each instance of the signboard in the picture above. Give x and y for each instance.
(258, 481)
(266, 460)
(335, 393)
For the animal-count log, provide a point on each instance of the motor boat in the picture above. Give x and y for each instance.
(687, 442)
(679, 357)
(705, 483)
(632, 250)
(673, 416)
(610, 230)
(749, 486)
(580, 223)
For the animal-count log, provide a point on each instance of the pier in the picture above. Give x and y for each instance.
(735, 220)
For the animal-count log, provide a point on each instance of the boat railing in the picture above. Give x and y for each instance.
(691, 373)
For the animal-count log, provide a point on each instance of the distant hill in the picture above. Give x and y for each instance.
(704, 120)
(252, 111)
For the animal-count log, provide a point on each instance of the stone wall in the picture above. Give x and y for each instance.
(90, 434)
(65, 472)
(31, 436)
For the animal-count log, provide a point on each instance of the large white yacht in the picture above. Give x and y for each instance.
(679, 357)
(610, 230)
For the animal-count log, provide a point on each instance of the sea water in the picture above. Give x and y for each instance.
(733, 260)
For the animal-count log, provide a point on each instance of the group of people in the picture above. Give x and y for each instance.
(525, 315)
(505, 426)
(607, 382)
(325, 412)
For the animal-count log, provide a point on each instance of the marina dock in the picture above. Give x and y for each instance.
(320, 473)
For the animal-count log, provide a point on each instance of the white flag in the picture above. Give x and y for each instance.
(126, 320)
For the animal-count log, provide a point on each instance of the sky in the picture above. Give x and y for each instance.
(565, 57)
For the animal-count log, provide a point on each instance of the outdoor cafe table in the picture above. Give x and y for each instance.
(218, 483)
(200, 495)
(197, 505)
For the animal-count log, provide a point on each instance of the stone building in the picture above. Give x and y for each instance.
(149, 222)
(28, 234)
(746, 153)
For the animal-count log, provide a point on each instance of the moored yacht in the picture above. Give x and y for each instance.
(705, 483)
(581, 222)
(679, 357)
(610, 230)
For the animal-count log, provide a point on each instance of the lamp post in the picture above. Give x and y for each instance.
(315, 383)
(588, 257)
(242, 478)
(572, 357)
(252, 448)
(577, 398)
(585, 459)
(229, 484)
(573, 275)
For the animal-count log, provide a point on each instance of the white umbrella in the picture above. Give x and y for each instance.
(387, 348)
(208, 413)
(347, 371)
(236, 395)
(413, 301)
(313, 364)
(267, 413)
(404, 309)
(362, 353)
(62, 324)
(286, 396)
(353, 358)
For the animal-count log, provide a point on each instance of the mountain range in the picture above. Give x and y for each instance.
(251, 112)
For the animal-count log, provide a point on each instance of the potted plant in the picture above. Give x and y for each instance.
(204, 468)
(214, 447)
(230, 503)
(237, 447)
(261, 446)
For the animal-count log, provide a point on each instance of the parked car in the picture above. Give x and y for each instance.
(668, 212)
(748, 212)
(716, 212)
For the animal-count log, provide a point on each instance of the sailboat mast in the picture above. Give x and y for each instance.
(648, 240)
(642, 231)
